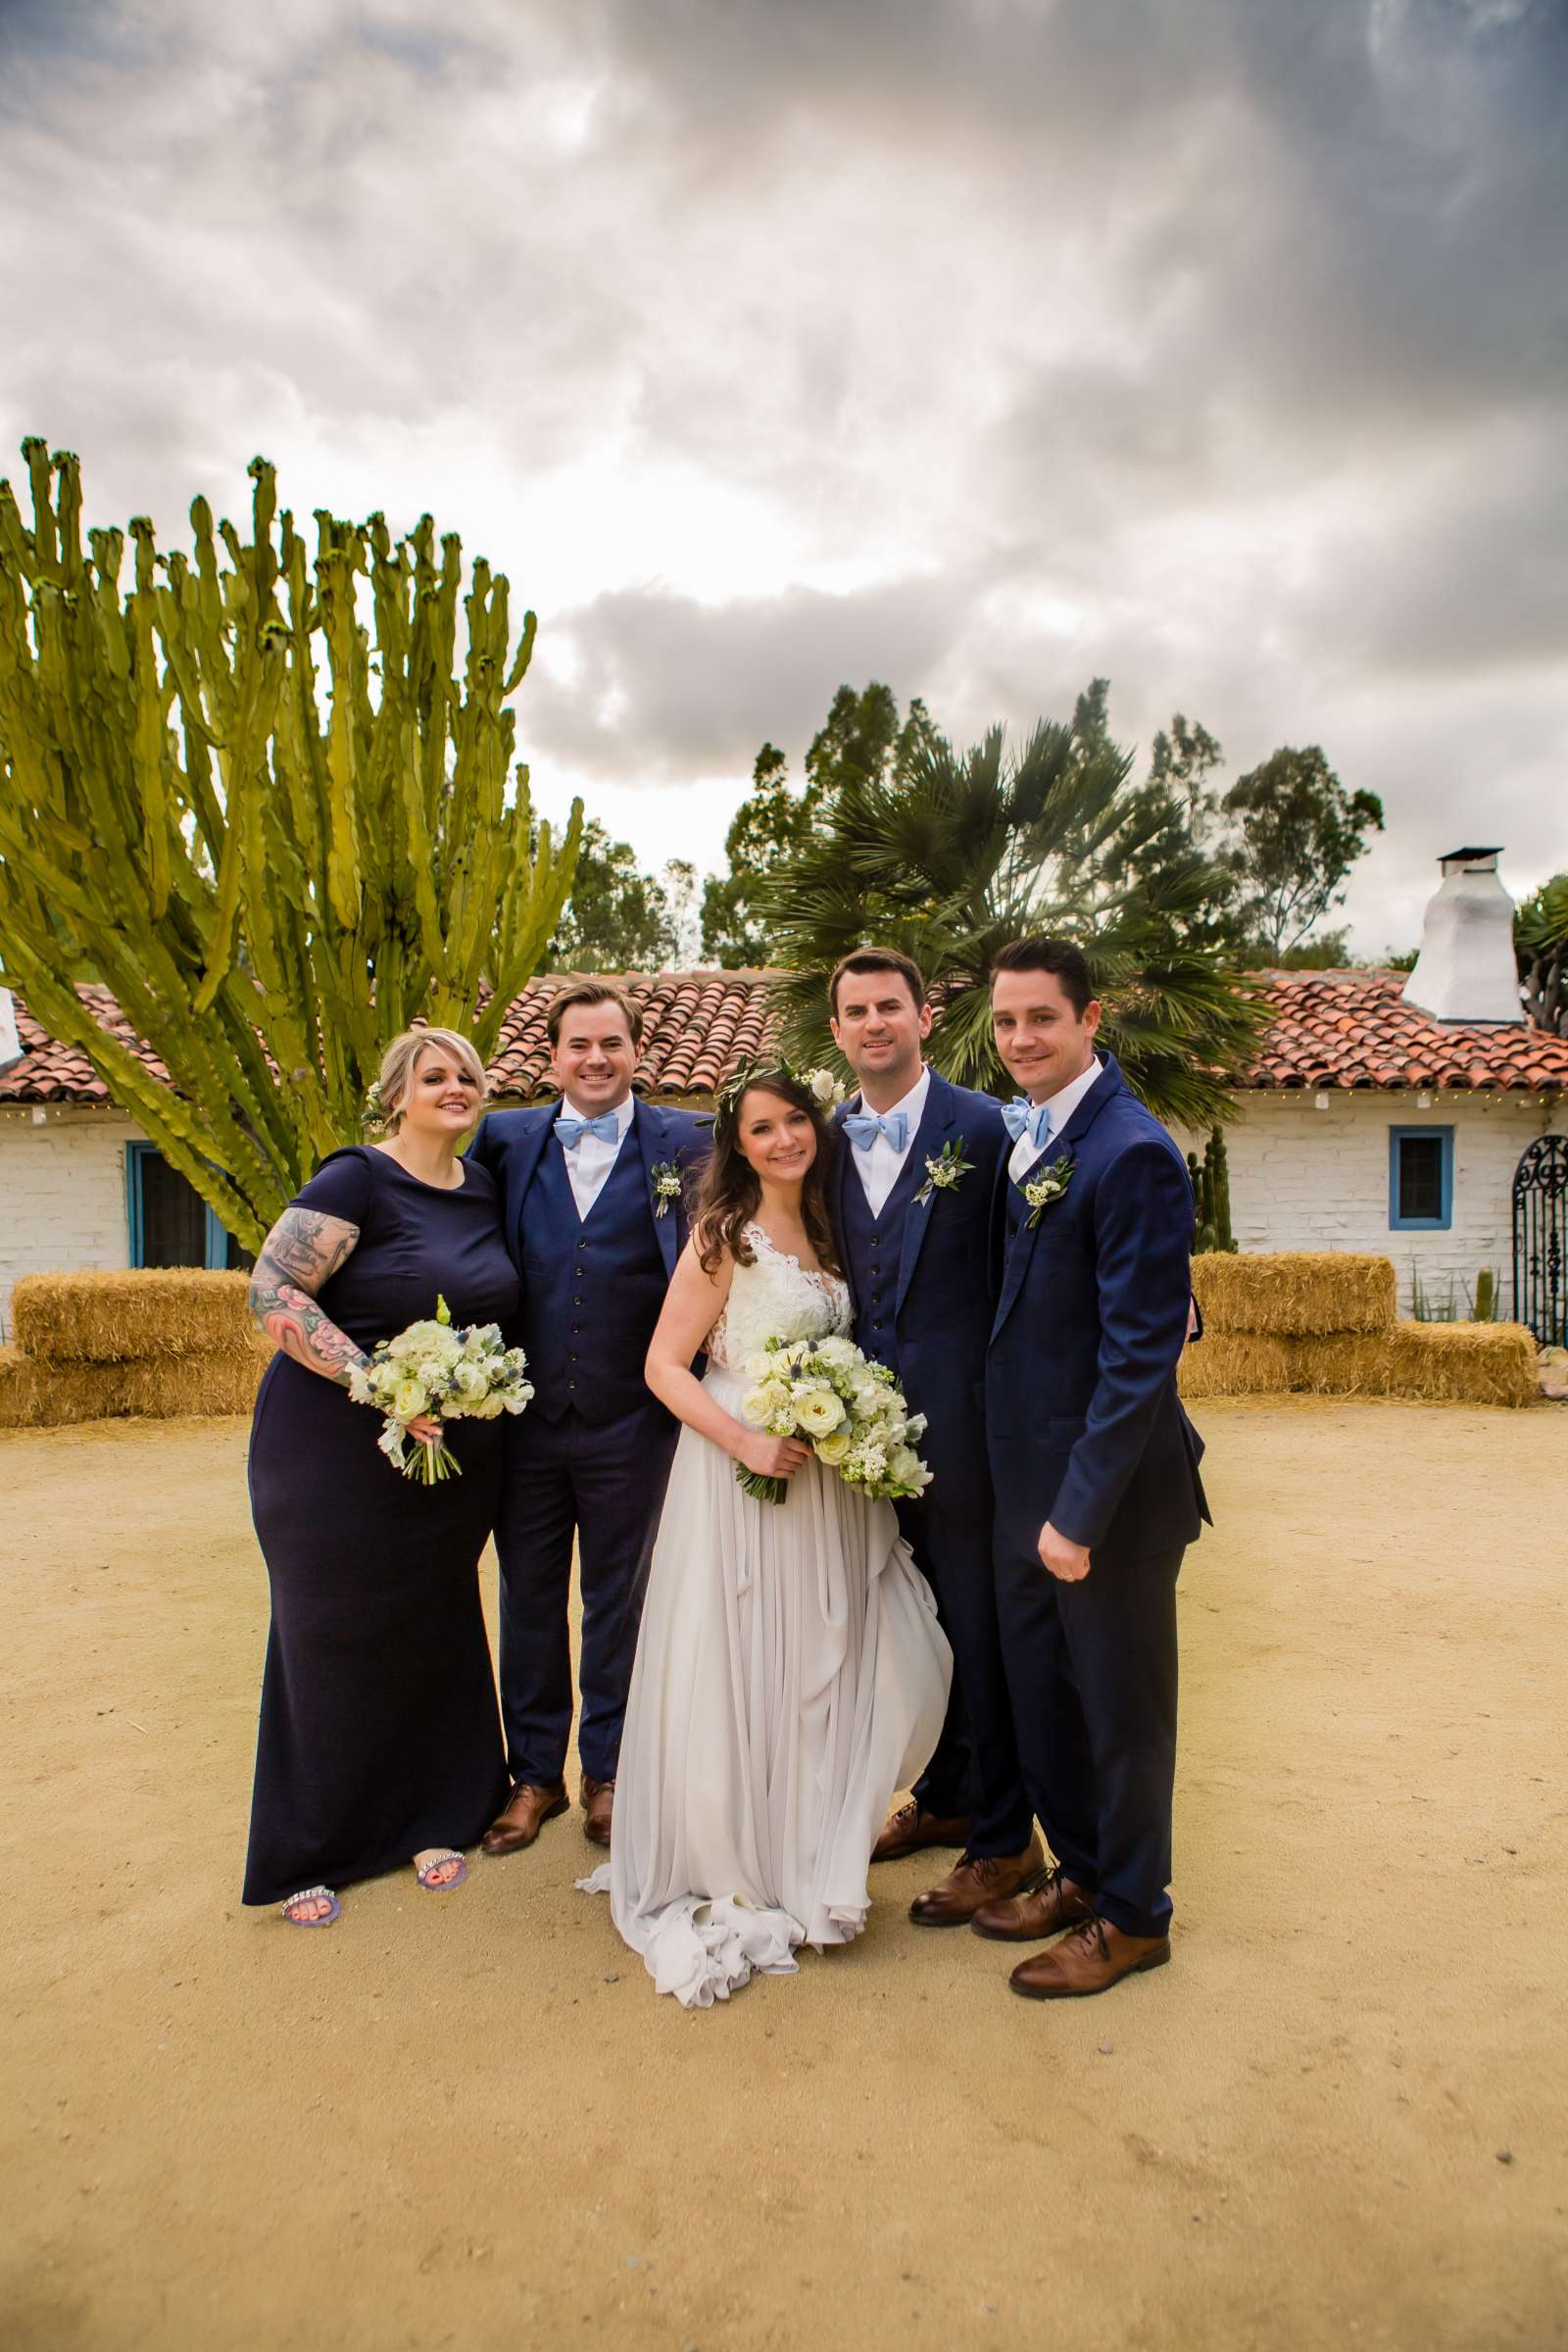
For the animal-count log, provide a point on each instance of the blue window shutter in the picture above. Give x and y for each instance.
(136, 1156)
(1420, 1178)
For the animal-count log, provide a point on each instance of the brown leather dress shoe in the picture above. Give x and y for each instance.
(598, 1803)
(1054, 1904)
(1093, 1958)
(909, 1827)
(976, 1880)
(524, 1816)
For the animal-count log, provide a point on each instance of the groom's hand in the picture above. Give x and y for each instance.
(1064, 1560)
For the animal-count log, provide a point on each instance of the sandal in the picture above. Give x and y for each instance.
(311, 1894)
(424, 1871)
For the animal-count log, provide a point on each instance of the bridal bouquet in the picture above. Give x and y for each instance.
(850, 1411)
(452, 1375)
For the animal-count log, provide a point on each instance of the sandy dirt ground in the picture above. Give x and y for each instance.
(1340, 2117)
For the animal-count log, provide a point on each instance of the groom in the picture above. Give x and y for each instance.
(1096, 1472)
(590, 1198)
(911, 1205)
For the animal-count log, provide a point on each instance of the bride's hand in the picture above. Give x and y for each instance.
(424, 1427)
(773, 1457)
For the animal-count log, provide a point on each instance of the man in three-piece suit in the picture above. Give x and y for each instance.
(592, 1197)
(1094, 1467)
(912, 1205)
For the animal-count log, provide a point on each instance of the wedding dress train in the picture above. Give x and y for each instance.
(790, 1677)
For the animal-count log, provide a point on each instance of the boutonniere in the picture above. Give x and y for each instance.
(666, 1182)
(1047, 1186)
(945, 1174)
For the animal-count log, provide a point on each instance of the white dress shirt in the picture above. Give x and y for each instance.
(878, 1169)
(1062, 1105)
(590, 1160)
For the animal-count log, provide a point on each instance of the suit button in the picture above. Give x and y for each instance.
(576, 1303)
(571, 1384)
(873, 1241)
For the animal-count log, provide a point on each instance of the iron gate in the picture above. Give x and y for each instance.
(1541, 1240)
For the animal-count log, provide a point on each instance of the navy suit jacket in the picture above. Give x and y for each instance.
(942, 1299)
(1083, 1423)
(511, 1142)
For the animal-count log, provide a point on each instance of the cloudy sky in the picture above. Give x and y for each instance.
(981, 346)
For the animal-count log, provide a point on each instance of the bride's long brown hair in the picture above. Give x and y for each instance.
(730, 1194)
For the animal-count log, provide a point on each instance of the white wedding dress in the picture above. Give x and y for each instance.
(790, 1677)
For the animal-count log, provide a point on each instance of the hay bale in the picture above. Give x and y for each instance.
(1235, 1364)
(151, 1311)
(1295, 1294)
(1346, 1363)
(20, 1391)
(1464, 1363)
(39, 1395)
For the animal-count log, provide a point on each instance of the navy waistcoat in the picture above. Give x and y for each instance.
(874, 1248)
(592, 1288)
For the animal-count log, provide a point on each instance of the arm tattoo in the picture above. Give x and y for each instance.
(303, 1250)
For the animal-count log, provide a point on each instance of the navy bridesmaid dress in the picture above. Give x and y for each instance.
(380, 1733)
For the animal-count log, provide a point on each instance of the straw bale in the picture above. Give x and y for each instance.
(166, 1311)
(1235, 1364)
(41, 1396)
(1346, 1363)
(1464, 1363)
(1293, 1294)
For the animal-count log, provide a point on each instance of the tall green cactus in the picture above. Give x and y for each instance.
(267, 803)
(1211, 1193)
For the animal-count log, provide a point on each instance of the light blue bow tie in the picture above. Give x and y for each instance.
(1020, 1115)
(572, 1131)
(863, 1127)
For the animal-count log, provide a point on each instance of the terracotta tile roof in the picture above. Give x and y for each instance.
(50, 1072)
(1331, 1029)
(696, 1027)
(1350, 1029)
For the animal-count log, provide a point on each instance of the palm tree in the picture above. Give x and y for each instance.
(1541, 943)
(958, 854)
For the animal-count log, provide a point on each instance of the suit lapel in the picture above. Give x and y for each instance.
(530, 1150)
(647, 1135)
(835, 1184)
(936, 1127)
(1060, 1146)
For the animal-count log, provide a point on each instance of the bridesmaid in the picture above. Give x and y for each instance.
(380, 1738)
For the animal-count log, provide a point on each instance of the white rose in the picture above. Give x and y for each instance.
(819, 1411)
(834, 1448)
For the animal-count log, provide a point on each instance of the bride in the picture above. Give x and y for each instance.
(790, 1673)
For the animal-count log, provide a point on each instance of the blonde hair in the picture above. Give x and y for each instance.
(402, 1059)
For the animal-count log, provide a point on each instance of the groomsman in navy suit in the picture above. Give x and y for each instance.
(1094, 1466)
(914, 1224)
(595, 1220)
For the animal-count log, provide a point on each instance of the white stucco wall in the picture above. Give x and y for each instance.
(1308, 1179)
(62, 1194)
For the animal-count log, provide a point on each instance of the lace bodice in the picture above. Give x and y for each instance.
(775, 1293)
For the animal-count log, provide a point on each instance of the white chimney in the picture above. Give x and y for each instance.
(1466, 971)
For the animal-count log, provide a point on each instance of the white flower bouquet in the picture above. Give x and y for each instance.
(850, 1411)
(450, 1375)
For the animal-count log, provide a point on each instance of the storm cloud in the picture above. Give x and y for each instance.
(984, 346)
